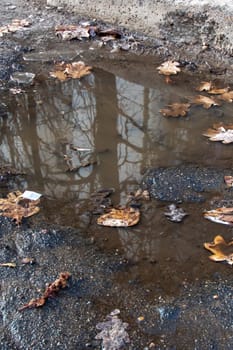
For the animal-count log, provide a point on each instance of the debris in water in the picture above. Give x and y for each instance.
(123, 217)
(205, 101)
(220, 133)
(211, 88)
(33, 196)
(175, 214)
(113, 332)
(16, 207)
(176, 110)
(221, 250)
(69, 32)
(220, 215)
(50, 291)
(74, 70)
(169, 68)
(227, 96)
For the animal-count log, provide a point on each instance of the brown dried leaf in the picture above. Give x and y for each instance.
(220, 133)
(50, 291)
(221, 250)
(204, 86)
(75, 70)
(16, 24)
(8, 264)
(120, 218)
(15, 207)
(69, 32)
(220, 215)
(227, 96)
(218, 91)
(113, 32)
(176, 110)
(228, 180)
(205, 101)
(169, 68)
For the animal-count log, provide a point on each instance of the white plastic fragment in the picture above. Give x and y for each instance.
(33, 196)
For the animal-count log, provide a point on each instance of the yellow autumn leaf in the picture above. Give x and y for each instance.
(221, 250)
(120, 217)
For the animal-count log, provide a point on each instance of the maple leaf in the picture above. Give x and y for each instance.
(221, 250)
(220, 215)
(50, 291)
(16, 207)
(205, 101)
(75, 70)
(227, 96)
(120, 217)
(176, 110)
(169, 68)
(220, 133)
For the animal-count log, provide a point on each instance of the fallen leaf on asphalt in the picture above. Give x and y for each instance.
(220, 215)
(205, 101)
(228, 180)
(16, 24)
(113, 332)
(176, 110)
(218, 91)
(227, 96)
(220, 133)
(75, 70)
(221, 250)
(120, 217)
(8, 264)
(69, 32)
(175, 214)
(50, 291)
(169, 68)
(16, 207)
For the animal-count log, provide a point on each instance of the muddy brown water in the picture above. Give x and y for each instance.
(114, 113)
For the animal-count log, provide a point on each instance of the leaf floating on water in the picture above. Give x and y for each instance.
(228, 180)
(50, 291)
(113, 332)
(221, 250)
(8, 264)
(120, 217)
(220, 133)
(205, 101)
(227, 96)
(74, 70)
(16, 207)
(204, 86)
(175, 214)
(176, 110)
(69, 32)
(169, 68)
(220, 215)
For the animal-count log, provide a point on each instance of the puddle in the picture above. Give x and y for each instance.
(116, 118)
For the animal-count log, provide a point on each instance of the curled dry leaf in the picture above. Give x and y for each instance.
(16, 24)
(176, 110)
(50, 291)
(69, 32)
(204, 86)
(227, 96)
(221, 250)
(228, 180)
(75, 70)
(220, 215)
(16, 207)
(169, 68)
(220, 133)
(8, 264)
(205, 101)
(120, 217)
(211, 88)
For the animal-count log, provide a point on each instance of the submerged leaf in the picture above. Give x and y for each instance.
(205, 101)
(120, 217)
(220, 133)
(175, 214)
(75, 70)
(220, 215)
(221, 250)
(169, 68)
(176, 110)
(16, 207)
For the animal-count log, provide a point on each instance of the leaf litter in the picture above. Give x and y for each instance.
(50, 292)
(175, 214)
(176, 110)
(113, 332)
(169, 68)
(221, 250)
(205, 101)
(221, 215)
(16, 207)
(220, 133)
(74, 70)
(123, 217)
(15, 25)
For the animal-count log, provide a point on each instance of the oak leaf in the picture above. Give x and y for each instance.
(120, 217)
(205, 101)
(221, 250)
(221, 215)
(75, 70)
(169, 68)
(220, 133)
(176, 110)
(17, 208)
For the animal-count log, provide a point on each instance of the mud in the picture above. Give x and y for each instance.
(173, 300)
